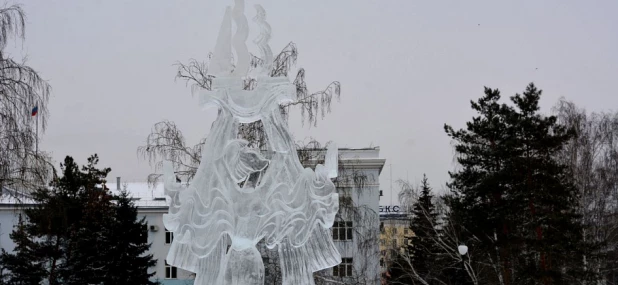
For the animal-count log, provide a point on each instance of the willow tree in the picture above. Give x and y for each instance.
(22, 167)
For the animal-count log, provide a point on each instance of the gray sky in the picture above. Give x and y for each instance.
(406, 68)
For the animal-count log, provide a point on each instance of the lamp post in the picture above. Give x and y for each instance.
(463, 250)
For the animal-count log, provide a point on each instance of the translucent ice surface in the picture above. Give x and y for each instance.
(240, 195)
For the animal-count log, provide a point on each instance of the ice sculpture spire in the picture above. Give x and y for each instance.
(221, 62)
(263, 38)
(239, 195)
(240, 38)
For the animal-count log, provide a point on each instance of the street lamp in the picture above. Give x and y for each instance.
(462, 251)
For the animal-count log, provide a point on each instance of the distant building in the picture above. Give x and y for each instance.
(395, 235)
(356, 228)
(357, 240)
(9, 210)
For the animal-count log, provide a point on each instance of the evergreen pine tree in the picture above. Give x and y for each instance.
(89, 236)
(513, 196)
(423, 249)
(25, 265)
(52, 220)
(400, 271)
(79, 234)
(420, 259)
(129, 250)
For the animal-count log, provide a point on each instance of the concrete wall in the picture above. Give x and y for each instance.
(363, 248)
(8, 218)
(158, 247)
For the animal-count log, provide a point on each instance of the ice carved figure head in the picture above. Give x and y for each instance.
(237, 196)
(242, 161)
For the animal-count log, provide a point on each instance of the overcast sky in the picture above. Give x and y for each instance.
(406, 68)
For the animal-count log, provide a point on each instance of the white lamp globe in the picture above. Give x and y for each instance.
(462, 249)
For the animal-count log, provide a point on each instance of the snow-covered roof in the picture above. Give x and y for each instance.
(11, 196)
(7, 199)
(142, 194)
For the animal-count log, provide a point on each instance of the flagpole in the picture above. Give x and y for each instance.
(37, 135)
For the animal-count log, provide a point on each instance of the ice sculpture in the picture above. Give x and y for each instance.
(240, 195)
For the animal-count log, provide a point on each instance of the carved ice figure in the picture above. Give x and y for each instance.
(240, 195)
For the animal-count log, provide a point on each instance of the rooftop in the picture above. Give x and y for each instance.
(143, 195)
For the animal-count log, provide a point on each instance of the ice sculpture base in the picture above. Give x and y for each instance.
(244, 267)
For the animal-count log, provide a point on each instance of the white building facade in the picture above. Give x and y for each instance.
(356, 228)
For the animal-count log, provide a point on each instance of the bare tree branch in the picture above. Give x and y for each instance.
(167, 142)
(446, 235)
(592, 157)
(21, 89)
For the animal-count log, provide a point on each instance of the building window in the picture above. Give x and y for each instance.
(406, 231)
(169, 237)
(344, 269)
(381, 227)
(342, 231)
(381, 262)
(395, 231)
(383, 242)
(394, 242)
(406, 241)
(171, 272)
